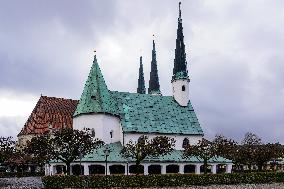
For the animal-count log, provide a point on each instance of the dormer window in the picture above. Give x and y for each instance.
(111, 134)
(183, 88)
(93, 97)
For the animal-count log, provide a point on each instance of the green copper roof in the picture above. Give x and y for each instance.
(154, 85)
(181, 75)
(141, 81)
(140, 113)
(180, 64)
(96, 97)
(144, 113)
(115, 156)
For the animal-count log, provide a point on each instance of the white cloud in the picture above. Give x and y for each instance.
(14, 111)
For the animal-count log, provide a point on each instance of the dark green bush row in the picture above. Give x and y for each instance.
(20, 174)
(159, 180)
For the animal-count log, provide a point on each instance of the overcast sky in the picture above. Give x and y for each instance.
(234, 52)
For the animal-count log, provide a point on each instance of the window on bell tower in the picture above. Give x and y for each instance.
(183, 88)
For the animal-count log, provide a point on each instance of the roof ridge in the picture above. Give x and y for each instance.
(44, 96)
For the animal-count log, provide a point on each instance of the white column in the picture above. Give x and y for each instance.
(163, 169)
(71, 172)
(229, 168)
(46, 170)
(54, 169)
(126, 169)
(107, 168)
(214, 168)
(197, 168)
(146, 169)
(86, 169)
(181, 169)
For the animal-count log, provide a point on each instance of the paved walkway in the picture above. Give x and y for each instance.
(21, 183)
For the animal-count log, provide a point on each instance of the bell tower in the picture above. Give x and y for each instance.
(180, 79)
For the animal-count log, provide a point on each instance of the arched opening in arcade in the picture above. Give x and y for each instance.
(134, 169)
(189, 169)
(77, 169)
(116, 169)
(96, 170)
(154, 169)
(221, 168)
(208, 169)
(60, 169)
(172, 169)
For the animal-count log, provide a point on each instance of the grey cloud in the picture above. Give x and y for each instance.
(236, 79)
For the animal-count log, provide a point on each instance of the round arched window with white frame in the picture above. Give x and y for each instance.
(185, 142)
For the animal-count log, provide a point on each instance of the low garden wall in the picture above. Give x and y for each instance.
(160, 180)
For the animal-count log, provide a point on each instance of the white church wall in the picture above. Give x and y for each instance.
(102, 123)
(182, 97)
(193, 139)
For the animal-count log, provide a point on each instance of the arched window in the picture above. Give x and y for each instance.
(183, 88)
(111, 134)
(185, 142)
(93, 133)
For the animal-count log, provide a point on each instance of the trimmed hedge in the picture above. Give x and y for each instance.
(159, 180)
(20, 174)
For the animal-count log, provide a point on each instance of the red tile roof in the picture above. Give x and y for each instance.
(50, 112)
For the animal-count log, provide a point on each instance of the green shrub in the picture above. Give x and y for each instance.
(159, 180)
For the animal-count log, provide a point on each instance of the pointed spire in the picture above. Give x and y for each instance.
(141, 82)
(180, 64)
(154, 86)
(179, 10)
(96, 97)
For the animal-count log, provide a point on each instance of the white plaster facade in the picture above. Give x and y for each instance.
(51, 169)
(193, 139)
(23, 139)
(181, 91)
(106, 127)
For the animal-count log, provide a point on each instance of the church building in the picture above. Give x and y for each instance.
(119, 117)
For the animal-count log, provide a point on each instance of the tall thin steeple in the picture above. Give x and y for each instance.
(180, 79)
(180, 64)
(141, 82)
(154, 86)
